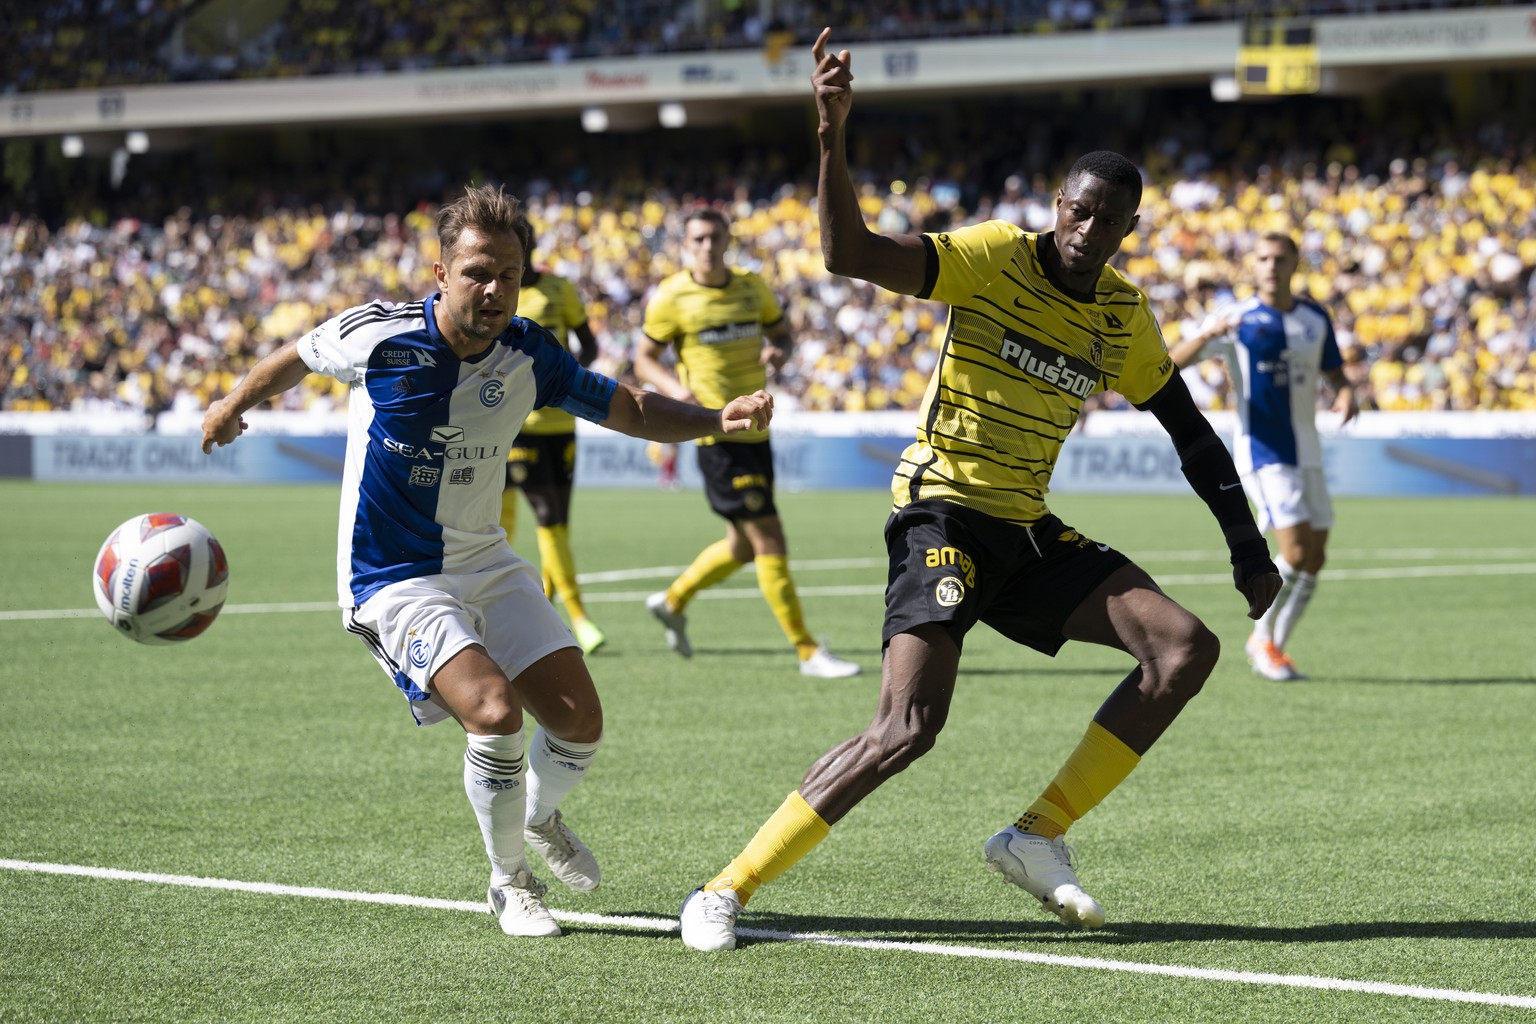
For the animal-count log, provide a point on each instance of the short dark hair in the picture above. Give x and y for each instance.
(485, 208)
(710, 214)
(1109, 166)
(1282, 238)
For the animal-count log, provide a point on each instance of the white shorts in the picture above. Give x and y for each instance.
(1288, 495)
(413, 627)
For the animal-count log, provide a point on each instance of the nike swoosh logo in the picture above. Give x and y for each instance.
(1228, 487)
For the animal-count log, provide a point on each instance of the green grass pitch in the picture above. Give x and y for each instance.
(1372, 828)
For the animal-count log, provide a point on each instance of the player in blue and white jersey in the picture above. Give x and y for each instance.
(439, 389)
(1277, 347)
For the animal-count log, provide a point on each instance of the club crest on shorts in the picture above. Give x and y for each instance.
(949, 592)
(420, 652)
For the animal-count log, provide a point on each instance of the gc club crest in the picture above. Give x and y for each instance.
(420, 652)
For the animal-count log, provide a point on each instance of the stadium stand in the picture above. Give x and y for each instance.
(123, 292)
(1427, 266)
(81, 43)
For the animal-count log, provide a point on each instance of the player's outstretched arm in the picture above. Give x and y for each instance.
(656, 417)
(275, 373)
(848, 247)
(1208, 467)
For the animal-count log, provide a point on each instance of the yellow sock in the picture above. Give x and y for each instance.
(779, 591)
(509, 511)
(792, 832)
(560, 568)
(712, 565)
(1099, 764)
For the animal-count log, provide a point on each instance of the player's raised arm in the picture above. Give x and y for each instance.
(275, 373)
(849, 248)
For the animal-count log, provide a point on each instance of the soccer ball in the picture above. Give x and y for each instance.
(160, 578)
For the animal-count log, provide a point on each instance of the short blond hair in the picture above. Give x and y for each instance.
(485, 208)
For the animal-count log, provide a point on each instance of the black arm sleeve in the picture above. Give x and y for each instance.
(1208, 467)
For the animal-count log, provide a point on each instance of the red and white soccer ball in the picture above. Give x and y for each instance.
(161, 578)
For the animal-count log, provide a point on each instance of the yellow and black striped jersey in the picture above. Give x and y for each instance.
(553, 303)
(718, 334)
(1018, 359)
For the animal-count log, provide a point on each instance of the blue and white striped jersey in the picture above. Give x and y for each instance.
(428, 435)
(1275, 359)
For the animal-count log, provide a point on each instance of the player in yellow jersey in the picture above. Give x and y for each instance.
(727, 329)
(542, 460)
(1037, 323)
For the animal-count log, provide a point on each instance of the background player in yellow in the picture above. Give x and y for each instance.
(542, 461)
(1037, 323)
(727, 329)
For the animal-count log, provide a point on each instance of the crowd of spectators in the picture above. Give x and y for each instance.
(1427, 269)
(71, 44)
(1417, 229)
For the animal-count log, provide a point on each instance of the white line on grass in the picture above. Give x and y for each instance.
(1404, 572)
(667, 925)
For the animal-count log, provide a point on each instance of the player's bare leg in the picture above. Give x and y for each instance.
(1174, 651)
(917, 684)
(1175, 654)
(914, 702)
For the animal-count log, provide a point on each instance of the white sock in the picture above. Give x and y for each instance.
(493, 780)
(1295, 605)
(554, 768)
(1264, 629)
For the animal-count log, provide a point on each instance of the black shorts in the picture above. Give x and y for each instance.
(542, 460)
(955, 566)
(738, 478)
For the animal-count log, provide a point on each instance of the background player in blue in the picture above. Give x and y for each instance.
(439, 388)
(1277, 346)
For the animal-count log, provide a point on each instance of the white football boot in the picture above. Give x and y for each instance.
(1269, 661)
(1044, 868)
(519, 907)
(709, 920)
(825, 665)
(676, 623)
(568, 857)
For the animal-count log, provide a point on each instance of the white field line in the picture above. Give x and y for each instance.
(1405, 572)
(668, 925)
